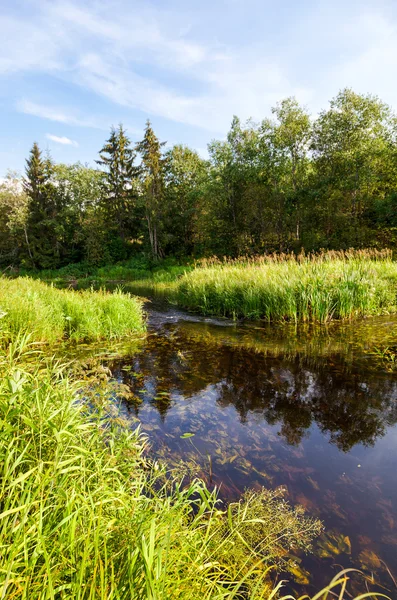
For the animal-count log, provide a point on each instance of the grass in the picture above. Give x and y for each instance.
(136, 269)
(333, 285)
(50, 314)
(299, 288)
(86, 515)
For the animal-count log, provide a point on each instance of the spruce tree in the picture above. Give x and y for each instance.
(43, 231)
(153, 175)
(119, 181)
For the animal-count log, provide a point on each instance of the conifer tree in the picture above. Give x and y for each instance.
(119, 180)
(153, 174)
(43, 234)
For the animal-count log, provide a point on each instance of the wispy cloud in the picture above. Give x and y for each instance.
(155, 59)
(145, 58)
(58, 114)
(65, 141)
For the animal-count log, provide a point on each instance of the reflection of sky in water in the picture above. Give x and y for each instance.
(319, 420)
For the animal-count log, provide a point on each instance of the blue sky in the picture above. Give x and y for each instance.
(70, 69)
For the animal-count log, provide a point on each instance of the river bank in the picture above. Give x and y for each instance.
(87, 513)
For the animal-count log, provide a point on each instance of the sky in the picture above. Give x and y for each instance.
(70, 69)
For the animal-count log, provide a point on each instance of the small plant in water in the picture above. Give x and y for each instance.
(387, 355)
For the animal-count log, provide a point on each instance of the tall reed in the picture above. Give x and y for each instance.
(84, 515)
(333, 285)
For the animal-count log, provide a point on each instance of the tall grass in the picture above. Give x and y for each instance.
(135, 269)
(50, 314)
(334, 285)
(84, 515)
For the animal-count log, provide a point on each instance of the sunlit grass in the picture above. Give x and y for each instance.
(83, 514)
(333, 285)
(50, 314)
(136, 269)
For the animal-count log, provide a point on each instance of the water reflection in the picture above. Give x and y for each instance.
(308, 409)
(347, 405)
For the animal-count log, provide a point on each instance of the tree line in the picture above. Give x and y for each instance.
(288, 183)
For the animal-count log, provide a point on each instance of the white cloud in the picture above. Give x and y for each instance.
(152, 59)
(107, 55)
(58, 114)
(61, 140)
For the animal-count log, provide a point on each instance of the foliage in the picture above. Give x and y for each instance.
(354, 159)
(119, 182)
(80, 190)
(14, 209)
(287, 183)
(139, 268)
(46, 237)
(313, 288)
(185, 180)
(153, 174)
(266, 523)
(50, 314)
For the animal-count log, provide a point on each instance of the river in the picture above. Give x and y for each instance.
(309, 408)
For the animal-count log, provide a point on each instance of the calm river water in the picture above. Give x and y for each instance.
(313, 409)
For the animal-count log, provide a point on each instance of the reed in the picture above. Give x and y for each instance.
(51, 314)
(332, 285)
(84, 514)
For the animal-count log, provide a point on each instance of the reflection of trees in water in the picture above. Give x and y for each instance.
(295, 392)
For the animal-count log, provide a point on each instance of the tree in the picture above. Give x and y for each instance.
(14, 205)
(153, 186)
(291, 139)
(233, 177)
(354, 161)
(184, 178)
(81, 190)
(119, 181)
(44, 227)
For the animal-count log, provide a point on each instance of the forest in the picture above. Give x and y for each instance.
(289, 183)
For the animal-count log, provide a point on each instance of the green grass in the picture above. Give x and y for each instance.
(333, 285)
(50, 314)
(84, 515)
(136, 269)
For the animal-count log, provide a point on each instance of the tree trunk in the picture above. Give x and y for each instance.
(28, 245)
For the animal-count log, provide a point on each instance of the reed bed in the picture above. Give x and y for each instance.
(332, 285)
(52, 314)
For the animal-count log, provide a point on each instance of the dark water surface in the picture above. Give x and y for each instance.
(308, 408)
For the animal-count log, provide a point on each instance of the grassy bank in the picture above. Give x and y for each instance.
(321, 287)
(50, 314)
(332, 285)
(136, 269)
(85, 515)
